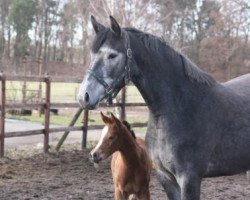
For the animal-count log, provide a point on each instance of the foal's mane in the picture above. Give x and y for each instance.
(128, 126)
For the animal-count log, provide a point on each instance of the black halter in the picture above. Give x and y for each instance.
(111, 90)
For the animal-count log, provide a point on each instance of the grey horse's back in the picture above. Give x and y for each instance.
(231, 154)
(240, 85)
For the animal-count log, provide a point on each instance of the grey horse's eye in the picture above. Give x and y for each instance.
(112, 56)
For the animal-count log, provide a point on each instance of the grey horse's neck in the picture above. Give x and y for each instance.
(168, 82)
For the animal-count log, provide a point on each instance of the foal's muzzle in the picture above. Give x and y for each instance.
(95, 157)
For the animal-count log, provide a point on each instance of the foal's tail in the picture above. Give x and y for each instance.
(129, 128)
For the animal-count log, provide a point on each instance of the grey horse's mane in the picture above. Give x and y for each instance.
(192, 71)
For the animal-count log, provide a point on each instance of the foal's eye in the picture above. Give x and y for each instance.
(111, 140)
(111, 137)
(112, 56)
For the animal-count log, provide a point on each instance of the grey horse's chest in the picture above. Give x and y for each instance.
(169, 146)
(158, 142)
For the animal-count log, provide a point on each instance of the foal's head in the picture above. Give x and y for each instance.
(112, 138)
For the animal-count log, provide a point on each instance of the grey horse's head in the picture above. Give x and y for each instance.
(108, 61)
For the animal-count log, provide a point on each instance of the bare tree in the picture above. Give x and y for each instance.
(61, 31)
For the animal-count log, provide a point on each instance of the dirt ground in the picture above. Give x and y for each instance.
(70, 175)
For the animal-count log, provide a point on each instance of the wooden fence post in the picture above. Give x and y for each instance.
(123, 104)
(39, 61)
(24, 87)
(2, 116)
(85, 128)
(47, 114)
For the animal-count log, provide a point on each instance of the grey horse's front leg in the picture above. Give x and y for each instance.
(190, 186)
(170, 186)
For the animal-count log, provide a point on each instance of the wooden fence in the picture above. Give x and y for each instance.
(46, 105)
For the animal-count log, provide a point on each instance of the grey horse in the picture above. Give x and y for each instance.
(197, 127)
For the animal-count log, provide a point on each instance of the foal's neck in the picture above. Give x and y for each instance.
(129, 148)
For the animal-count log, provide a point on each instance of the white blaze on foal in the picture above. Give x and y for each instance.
(103, 134)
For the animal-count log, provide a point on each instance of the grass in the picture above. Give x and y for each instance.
(64, 120)
(60, 92)
(54, 119)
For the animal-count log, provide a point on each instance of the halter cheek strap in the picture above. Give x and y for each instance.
(127, 66)
(112, 90)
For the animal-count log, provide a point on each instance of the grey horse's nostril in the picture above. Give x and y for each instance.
(94, 155)
(86, 97)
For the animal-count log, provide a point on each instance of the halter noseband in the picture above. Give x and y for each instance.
(111, 90)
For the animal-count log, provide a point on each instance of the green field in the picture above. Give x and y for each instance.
(64, 120)
(61, 92)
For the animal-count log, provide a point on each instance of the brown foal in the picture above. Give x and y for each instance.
(130, 163)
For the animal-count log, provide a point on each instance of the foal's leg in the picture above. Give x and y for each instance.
(171, 187)
(119, 195)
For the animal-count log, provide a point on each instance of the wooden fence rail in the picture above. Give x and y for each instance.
(46, 105)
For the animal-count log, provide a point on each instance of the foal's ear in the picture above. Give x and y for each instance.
(115, 119)
(115, 26)
(105, 119)
(96, 25)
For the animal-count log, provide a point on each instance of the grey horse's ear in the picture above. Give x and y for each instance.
(96, 25)
(115, 26)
